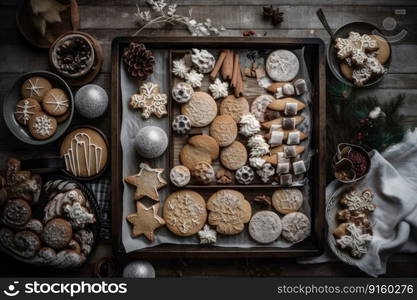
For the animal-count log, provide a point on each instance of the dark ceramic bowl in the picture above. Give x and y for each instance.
(9, 104)
(343, 32)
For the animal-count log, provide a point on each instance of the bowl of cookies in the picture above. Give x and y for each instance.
(39, 108)
(359, 56)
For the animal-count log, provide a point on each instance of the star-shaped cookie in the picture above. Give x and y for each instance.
(150, 100)
(145, 220)
(147, 182)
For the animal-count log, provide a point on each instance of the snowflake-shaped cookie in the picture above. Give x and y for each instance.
(356, 242)
(150, 100)
(180, 68)
(354, 201)
(219, 89)
(194, 78)
(355, 46)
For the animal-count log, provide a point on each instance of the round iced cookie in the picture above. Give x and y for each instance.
(182, 92)
(180, 175)
(26, 109)
(35, 88)
(234, 107)
(234, 156)
(185, 212)
(287, 200)
(42, 126)
(201, 109)
(57, 233)
(282, 65)
(265, 227)
(224, 130)
(56, 103)
(295, 227)
(85, 152)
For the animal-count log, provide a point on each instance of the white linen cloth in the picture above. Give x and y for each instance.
(393, 179)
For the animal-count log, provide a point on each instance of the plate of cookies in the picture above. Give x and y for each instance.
(39, 108)
(219, 146)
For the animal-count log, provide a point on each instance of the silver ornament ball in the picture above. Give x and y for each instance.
(151, 142)
(91, 101)
(139, 269)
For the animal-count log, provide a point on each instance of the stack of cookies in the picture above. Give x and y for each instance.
(62, 237)
(42, 108)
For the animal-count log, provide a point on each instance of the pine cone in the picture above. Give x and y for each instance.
(138, 60)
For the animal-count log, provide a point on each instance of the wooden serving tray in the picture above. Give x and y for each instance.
(314, 54)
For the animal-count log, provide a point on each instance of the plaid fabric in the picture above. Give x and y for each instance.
(101, 190)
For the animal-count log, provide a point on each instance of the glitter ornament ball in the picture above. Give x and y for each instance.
(91, 101)
(139, 269)
(151, 142)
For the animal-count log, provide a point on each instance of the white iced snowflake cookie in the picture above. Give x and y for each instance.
(249, 125)
(256, 162)
(180, 68)
(194, 78)
(356, 201)
(219, 89)
(150, 100)
(258, 146)
(207, 235)
(356, 242)
(203, 60)
(182, 92)
(266, 172)
(180, 175)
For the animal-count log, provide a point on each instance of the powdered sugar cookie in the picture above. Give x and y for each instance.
(265, 227)
(201, 109)
(295, 227)
(282, 65)
(259, 106)
(180, 175)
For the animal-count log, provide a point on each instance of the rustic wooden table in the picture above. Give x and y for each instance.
(107, 19)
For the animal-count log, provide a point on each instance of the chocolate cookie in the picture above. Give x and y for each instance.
(16, 213)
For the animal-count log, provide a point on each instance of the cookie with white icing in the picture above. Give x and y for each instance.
(182, 92)
(229, 211)
(207, 235)
(25, 110)
(356, 242)
(245, 175)
(85, 152)
(56, 102)
(35, 88)
(57, 233)
(41, 126)
(180, 175)
(150, 100)
(282, 65)
(181, 124)
(265, 227)
(295, 227)
(185, 212)
(287, 200)
(203, 60)
(266, 173)
(260, 105)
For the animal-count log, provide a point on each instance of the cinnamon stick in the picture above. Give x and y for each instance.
(239, 85)
(227, 67)
(218, 65)
(236, 70)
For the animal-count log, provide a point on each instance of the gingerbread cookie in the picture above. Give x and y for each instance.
(354, 200)
(145, 221)
(204, 173)
(295, 227)
(346, 70)
(265, 227)
(150, 100)
(26, 109)
(384, 50)
(182, 92)
(201, 109)
(355, 47)
(85, 152)
(356, 242)
(148, 181)
(42, 126)
(282, 65)
(260, 105)
(234, 156)
(224, 130)
(234, 107)
(57, 233)
(228, 211)
(185, 212)
(56, 102)
(180, 175)
(35, 88)
(199, 148)
(287, 200)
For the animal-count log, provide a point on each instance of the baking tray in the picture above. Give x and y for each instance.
(314, 52)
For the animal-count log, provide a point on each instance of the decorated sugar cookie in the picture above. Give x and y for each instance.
(282, 65)
(35, 88)
(55, 102)
(42, 126)
(26, 109)
(150, 100)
